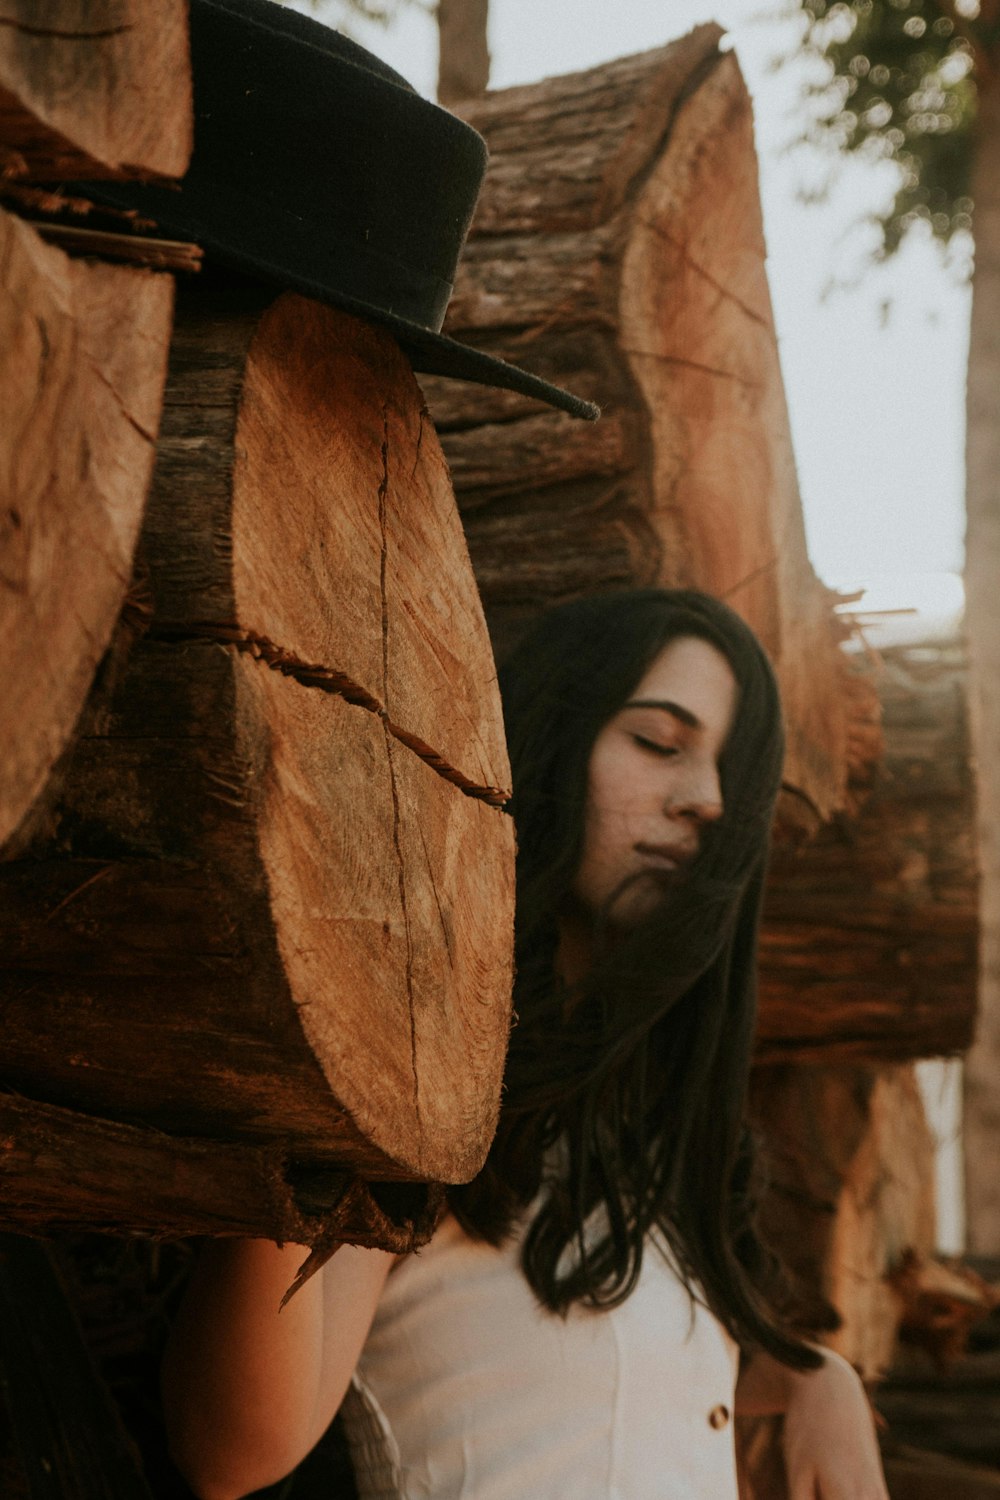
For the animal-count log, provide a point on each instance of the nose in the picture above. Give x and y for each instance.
(699, 799)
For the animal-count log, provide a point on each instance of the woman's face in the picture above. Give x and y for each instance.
(653, 782)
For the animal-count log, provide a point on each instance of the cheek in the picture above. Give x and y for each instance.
(608, 817)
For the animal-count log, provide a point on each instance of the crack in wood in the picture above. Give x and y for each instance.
(340, 685)
(99, 375)
(383, 500)
(65, 35)
(751, 577)
(691, 364)
(423, 417)
(437, 899)
(688, 259)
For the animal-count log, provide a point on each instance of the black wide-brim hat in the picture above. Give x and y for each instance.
(318, 167)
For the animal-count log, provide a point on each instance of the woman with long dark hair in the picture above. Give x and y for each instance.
(594, 1299)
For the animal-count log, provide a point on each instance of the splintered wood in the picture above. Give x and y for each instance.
(618, 247)
(276, 871)
(83, 355)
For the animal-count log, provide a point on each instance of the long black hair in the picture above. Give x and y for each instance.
(628, 1093)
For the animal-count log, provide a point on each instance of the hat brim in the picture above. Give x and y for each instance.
(429, 353)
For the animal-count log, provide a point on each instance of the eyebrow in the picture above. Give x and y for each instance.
(677, 710)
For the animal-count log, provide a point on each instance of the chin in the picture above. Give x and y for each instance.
(637, 899)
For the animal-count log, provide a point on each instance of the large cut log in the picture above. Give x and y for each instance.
(83, 356)
(274, 872)
(868, 946)
(94, 88)
(618, 240)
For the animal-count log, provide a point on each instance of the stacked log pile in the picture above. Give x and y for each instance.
(256, 887)
(271, 792)
(869, 937)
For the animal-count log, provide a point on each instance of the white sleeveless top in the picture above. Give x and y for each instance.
(468, 1390)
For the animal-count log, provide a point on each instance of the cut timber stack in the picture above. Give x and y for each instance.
(83, 353)
(869, 937)
(618, 242)
(270, 902)
(255, 896)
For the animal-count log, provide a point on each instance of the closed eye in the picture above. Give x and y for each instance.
(654, 746)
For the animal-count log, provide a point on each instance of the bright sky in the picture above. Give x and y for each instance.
(875, 375)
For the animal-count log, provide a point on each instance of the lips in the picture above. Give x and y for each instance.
(665, 856)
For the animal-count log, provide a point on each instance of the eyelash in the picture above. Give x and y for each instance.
(655, 747)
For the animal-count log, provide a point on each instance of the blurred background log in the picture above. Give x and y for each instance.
(271, 868)
(870, 927)
(618, 245)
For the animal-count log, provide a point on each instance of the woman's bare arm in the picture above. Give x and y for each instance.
(249, 1389)
(831, 1451)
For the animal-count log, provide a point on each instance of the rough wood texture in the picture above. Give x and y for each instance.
(83, 357)
(188, 1184)
(273, 870)
(869, 938)
(851, 1193)
(618, 247)
(94, 88)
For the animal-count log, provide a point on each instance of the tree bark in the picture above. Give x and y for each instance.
(94, 88)
(982, 1091)
(274, 869)
(617, 248)
(463, 50)
(868, 944)
(83, 357)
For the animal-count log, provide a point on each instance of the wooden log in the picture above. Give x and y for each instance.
(868, 947)
(94, 88)
(275, 870)
(850, 1194)
(129, 1180)
(618, 243)
(955, 1412)
(913, 1473)
(83, 356)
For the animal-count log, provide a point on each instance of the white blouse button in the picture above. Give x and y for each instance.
(718, 1417)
